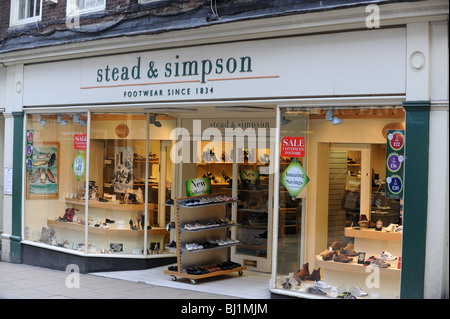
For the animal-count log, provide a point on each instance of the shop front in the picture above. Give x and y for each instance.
(305, 136)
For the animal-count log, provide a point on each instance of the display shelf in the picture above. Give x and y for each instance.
(371, 233)
(106, 205)
(208, 249)
(354, 267)
(112, 231)
(208, 228)
(196, 258)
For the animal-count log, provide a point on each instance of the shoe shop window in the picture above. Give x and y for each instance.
(55, 158)
(98, 191)
(340, 202)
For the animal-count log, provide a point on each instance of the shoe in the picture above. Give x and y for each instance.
(329, 256)
(380, 263)
(372, 224)
(35, 175)
(322, 285)
(304, 272)
(336, 245)
(172, 244)
(358, 292)
(315, 291)
(391, 227)
(398, 229)
(325, 252)
(315, 275)
(342, 259)
(349, 250)
(369, 260)
(385, 255)
(346, 295)
(169, 201)
(109, 221)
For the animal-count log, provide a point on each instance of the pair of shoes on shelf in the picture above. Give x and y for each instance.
(349, 250)
(341, 258)
(226, 265)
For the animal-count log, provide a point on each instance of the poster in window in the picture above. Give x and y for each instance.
(43, 177)
(123, 169)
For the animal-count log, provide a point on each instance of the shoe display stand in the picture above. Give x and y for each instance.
(208, 209)
(372, 243)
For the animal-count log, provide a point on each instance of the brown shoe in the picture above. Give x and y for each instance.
(336, 245)
(329, 256)
(315, 275)
(342, 258)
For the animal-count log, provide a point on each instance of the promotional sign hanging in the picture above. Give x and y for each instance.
(80, 141)
(292, 146)
(29, 150)
(294, 178)
(198, 186)
(394, 163)
(79, 166)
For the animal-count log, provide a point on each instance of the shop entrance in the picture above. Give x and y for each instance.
(240, 168)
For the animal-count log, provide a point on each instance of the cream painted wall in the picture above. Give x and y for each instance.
(362, 131)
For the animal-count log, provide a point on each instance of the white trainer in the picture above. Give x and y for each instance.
(385, 255)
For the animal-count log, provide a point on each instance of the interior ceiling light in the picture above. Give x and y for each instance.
(329, 116)
(61, 121)
(154, 121)
(43, 122)
(284, 120)
(76, 119)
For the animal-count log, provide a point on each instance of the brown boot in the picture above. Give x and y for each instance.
(304, 271)
(329, 256)
(315, 275)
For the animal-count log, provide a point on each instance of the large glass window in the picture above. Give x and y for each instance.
(340, 202)
(119, 209)
(25, 11)
(56, 147)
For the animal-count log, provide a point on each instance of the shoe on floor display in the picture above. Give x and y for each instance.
(346, 295)
(358, 292)
(315, 275)
(315, 291)
(322, 285)
(304, 272)
(342, 258)
(385, 255)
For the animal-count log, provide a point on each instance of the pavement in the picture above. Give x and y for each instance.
(20, 281)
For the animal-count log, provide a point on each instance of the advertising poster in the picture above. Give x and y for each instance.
(395, 163)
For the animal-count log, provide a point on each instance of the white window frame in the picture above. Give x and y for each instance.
(73, 10)
(14, 15)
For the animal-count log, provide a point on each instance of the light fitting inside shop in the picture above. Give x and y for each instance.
(329, 116)
(61, 121)
(76, 119)
(154, 121)
(43, 122)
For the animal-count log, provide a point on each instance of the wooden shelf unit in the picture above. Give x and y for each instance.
(371, 233)
(199, 211)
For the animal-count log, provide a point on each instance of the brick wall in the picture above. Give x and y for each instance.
(54, 15)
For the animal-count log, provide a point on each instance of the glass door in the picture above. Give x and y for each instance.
(254, 186)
